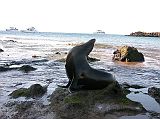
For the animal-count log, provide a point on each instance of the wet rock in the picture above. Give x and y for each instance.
(28, 110)
(90, 59)
(24, 68)
(27, 68)
(26, 61)
(35, 56)
(23, 105)
(35, 90)
(155, 115)
(1, 50)
(5, 68)
(128, 54)
(58, 53)
(22, 92)
(13, 41)
(17, 84)
(95, 104)
(38, 61)
(155, 93)
(126, 85)
(61, 60)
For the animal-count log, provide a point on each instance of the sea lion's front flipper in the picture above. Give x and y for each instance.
(69, 72)
(66, 85)
(74, 86)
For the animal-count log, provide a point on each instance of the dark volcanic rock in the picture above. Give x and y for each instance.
(1, 50)
(126, 85)
(33, 91)
(12, 41)
(25, 61)
(61, 60)
(22, 92)
(5, 68)
(33, 109)
(155, 93)
(35, 56)
(58, 53)
(37, 90)
(26, 68)
(128, 54)
(90, 59)
(95, 104)
(145, 34)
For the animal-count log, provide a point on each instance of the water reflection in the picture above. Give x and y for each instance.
(139, 116)
(149, 103)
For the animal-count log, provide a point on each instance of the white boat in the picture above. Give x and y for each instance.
(12, 29)
(99, 32)
(29, 30)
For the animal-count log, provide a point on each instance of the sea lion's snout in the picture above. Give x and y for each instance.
(88, 46)
(92, 41)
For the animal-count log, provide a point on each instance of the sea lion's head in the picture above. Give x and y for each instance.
(87, 47)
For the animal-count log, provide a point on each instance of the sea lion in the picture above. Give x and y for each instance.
(81, 75)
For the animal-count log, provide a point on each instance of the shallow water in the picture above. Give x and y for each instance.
(149, 103)
(139, 116)
(19, 49)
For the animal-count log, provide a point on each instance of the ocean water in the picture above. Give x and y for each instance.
(20, 48)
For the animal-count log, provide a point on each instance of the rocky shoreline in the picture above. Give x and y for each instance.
(95, 104)
(145, 34)
(99, 104)
(80, 105)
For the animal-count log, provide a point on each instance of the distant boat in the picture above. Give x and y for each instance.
(29, 30)
(99, 32)
(12, 29)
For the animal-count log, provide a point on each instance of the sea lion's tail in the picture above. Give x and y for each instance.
(66, 85)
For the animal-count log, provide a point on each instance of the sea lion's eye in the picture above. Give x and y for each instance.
(82, 75)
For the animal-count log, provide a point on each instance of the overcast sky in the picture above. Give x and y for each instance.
(85, 16)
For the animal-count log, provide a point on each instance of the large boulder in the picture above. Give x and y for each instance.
(35, 90)
(93, 104)
(128, 54)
